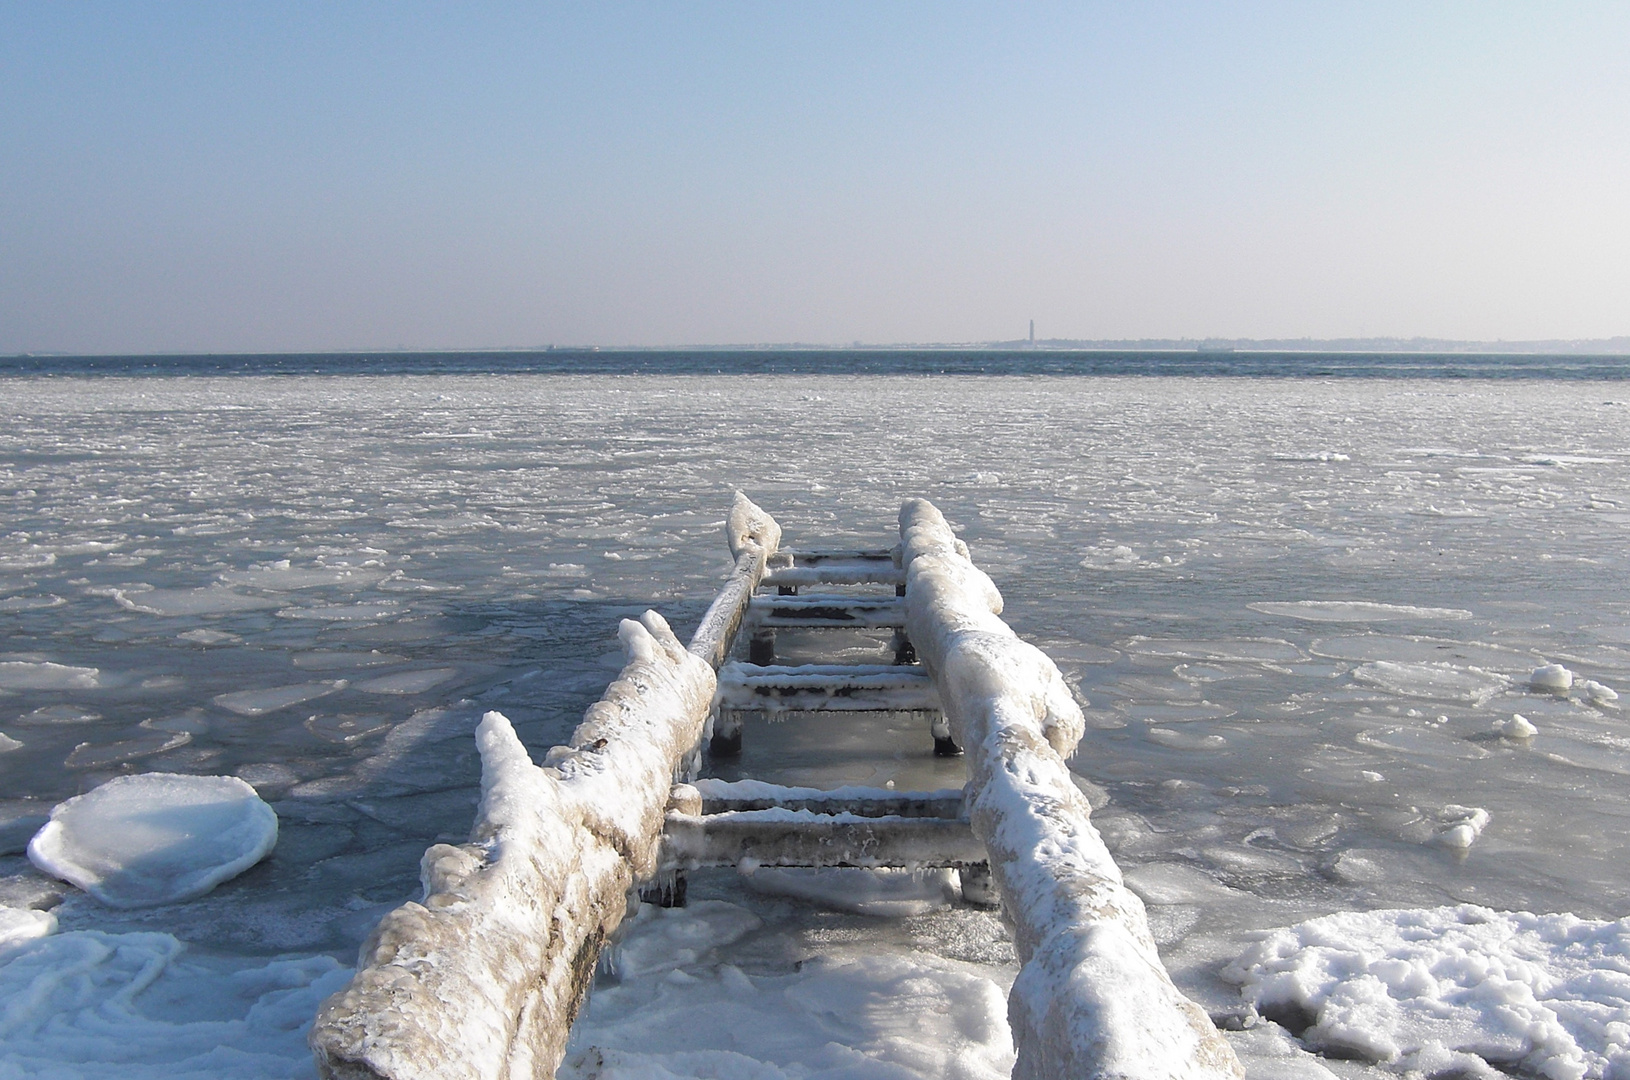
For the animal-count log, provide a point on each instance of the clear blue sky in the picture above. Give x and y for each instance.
(312, 176)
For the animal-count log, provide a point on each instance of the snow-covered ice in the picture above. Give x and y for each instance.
(1429, 991)
(155, 838)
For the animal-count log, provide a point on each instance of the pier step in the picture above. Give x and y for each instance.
(780, 837)
(826, 688)
(719, 796)
(791, 569)
(774, 612)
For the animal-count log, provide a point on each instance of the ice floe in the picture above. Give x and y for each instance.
(1433, 990)
(45, 675)
(155, 838)
(1360, 611)
(1434, 682)
(270, 699)
(1460, 826)
(18, 925)
(405, 682)
(172, 603)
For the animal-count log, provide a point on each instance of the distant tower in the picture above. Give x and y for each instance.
(1032, 333)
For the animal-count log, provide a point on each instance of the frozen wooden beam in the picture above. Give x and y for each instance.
(720, 796)
(753, 537)
(778, 612)
(826, 688)
(795, 568)
(1092, 1000)
(803, 838)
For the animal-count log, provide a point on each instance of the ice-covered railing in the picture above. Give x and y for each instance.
(483, 978)
(1092, 998)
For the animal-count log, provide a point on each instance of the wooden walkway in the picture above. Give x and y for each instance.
(484, 977)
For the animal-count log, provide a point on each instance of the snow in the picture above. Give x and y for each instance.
(1426, 989)
(141, 1006)
(155, 838)
(676, 1012)
(1092, 997)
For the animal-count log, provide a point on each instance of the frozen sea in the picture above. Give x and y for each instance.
(1298, 607)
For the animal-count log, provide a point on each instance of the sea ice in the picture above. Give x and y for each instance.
(1364, 611)
(1599, 694)
(155, 838)
(259, 702)
(211, 600)
(1434, 682)
(887, 893)
(1460, 826)
(8, 743)
(1552, 678)
(1518, 727)
(405, 682)
(1548, 995)
(91, 1005)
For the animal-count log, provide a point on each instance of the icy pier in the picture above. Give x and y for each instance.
(485, 975)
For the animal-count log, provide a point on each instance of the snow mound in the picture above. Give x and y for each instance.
(1548, 995)
(139, 1007)
(156, 838)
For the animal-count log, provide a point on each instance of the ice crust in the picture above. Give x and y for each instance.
(155, 838)
(1424, 990)
(1092, 998)
(141, 1006)
(483, 978)
(676, 1012)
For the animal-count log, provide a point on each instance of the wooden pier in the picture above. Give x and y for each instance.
(484, 976)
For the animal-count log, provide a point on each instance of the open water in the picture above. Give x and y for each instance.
(1298, 593)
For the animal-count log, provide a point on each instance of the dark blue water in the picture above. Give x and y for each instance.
(847, 362)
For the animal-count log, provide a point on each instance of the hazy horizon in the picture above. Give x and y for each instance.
(193, 178)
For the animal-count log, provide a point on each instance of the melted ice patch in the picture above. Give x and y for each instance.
(1364, 611)
(155, 838)
(140, 1007)
(405, 682)
(1549, 994)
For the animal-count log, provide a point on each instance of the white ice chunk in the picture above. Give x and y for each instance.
(7, 743)
(18, 925)
(1601, 695)
(44, 675)
(96, 1006)
(406, 682)
(1552, 678)
(1543, 995)
(155, 838)
(1460, 826)
(1518, 727)
(258, 702)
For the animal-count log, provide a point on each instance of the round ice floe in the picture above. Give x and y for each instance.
(1552, 678)
(155, 838)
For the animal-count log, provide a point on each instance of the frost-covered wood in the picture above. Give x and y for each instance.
(717, 796)
(483, 978)
(1092, 999)
(826, 688)
(828, 611)
(782, 837)
(753, 536)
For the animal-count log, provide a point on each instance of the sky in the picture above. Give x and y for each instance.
(199, 177)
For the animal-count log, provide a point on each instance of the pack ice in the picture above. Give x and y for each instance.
(156, 838)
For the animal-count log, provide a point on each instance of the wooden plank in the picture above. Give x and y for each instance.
(774, 612)
(800, 838)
